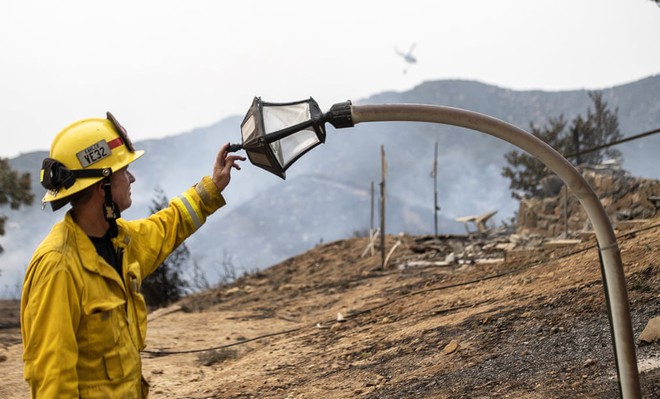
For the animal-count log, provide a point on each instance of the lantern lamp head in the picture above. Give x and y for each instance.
(275, 135)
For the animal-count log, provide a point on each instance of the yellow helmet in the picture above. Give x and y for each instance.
(82, 154)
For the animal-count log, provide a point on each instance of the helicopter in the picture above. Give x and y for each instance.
(408, 57)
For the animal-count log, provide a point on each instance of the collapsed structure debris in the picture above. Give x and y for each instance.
(624, 197)
(478, 220)
(555, 219)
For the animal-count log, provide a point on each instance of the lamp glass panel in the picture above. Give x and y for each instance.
(259, 158)
(249, 129)
(289, 148)
(280, 117)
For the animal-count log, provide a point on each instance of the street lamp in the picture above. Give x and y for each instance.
(275, 135)
(265, 138)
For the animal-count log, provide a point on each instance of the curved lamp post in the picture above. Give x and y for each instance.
(276, 134)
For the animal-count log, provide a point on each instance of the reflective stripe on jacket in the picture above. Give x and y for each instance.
(82, 326)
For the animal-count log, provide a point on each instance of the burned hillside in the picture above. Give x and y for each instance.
(331, 323)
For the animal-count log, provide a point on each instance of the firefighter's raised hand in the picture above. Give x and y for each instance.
(224, 162)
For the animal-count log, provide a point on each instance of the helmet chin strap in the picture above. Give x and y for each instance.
(110, 209)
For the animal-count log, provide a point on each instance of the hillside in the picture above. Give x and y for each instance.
(325, 195)
(499, 320)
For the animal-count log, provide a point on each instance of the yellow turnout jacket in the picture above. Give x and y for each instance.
(82, 325)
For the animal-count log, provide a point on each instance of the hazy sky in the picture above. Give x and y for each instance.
(165, 67)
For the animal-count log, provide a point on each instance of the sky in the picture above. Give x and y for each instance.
(164, 67)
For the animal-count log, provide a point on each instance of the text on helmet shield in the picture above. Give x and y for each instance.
(93, 153)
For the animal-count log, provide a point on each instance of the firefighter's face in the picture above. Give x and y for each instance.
(121, 188)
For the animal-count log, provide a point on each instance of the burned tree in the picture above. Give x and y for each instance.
(575, 141)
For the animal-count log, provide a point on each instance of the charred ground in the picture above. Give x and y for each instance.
(331, 323)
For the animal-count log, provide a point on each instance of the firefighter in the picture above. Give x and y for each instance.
(83, 319)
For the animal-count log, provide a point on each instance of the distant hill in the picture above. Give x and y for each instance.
(325, 196)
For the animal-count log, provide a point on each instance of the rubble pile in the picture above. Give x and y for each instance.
(624, 197)
(541, 224)
(450, 250)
